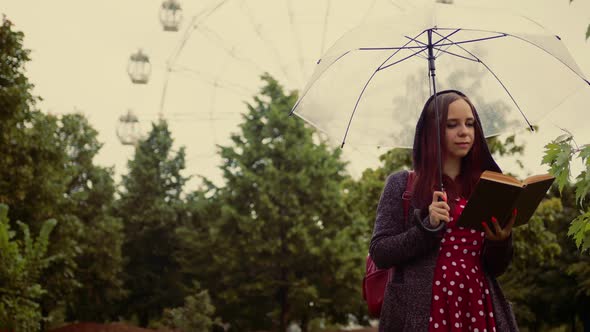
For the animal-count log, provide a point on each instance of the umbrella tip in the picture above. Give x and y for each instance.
(556, 36)
(342, 145)
(532, 128)
(587, 81)
(318, 62)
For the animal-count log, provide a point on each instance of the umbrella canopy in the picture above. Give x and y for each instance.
(368, 89)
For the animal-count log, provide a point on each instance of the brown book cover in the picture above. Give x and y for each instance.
(498, 194)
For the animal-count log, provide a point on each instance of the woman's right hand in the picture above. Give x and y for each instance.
(439, 210)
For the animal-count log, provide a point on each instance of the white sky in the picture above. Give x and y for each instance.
(80, 50)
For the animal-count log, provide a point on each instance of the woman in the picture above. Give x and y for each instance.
(445, 277)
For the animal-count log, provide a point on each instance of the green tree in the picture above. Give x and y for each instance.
(536, 250)
(89, 197)
(570, 272)
(553, 264)
(195, 315)
(150, 206)
(559, 154)
(30, 168)
(32, 178)
(23, 262)
(285, 247)
(46, 171)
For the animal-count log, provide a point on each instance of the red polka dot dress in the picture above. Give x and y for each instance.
(461, 300)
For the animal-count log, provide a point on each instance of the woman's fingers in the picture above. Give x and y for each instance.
(500, 233)
(440, 205)
(489, 234)
(511, 221)
(441, 211)
(497, 228)
(441, 216)
(439, 196)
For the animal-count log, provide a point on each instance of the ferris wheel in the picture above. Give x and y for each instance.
(220, 54)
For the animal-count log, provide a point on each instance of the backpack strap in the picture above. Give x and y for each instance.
(407, 195)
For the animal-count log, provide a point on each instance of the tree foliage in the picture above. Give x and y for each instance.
(285, 246)
(194, 315)
(558, 155)
(150, 206)
(23, 262)
(47, 171)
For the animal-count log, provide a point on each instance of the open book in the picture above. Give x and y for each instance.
(498, 194)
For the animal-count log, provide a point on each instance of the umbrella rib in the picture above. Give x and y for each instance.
(558, 59)
(389, 48)
(418, 44)
(474, 40)
(509, 94)
(400, 60)
(305, 92)
(501, 83)
(440, 50)
(442, 38)
(341, 56)
(530, 42)
(451, 53)
(371, 78)
(457, 55)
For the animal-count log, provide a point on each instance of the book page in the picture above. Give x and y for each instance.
(502, 178)
(537, 178)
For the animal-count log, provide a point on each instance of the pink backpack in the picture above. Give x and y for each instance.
(375, 280)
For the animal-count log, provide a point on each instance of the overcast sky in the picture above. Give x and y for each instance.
(80, 51)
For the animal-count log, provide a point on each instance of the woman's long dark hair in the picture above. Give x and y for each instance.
(426, 149)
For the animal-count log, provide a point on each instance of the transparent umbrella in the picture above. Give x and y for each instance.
(370, 86)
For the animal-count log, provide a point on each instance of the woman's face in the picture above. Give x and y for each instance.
(460, 130)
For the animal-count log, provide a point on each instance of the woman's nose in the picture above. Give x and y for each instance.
(462, 130)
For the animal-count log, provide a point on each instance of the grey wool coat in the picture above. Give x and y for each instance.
(413, 251)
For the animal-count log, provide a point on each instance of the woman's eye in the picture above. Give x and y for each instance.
(470, 124)
(451, 125)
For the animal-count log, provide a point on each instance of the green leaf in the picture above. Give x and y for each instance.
(582, 186)
(588, 32)
(585, 154)
(551, 151)
(579, 229)
(558, 155)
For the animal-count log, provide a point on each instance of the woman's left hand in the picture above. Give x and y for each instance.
(500, 233)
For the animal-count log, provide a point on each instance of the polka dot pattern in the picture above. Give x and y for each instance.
(460, 297)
